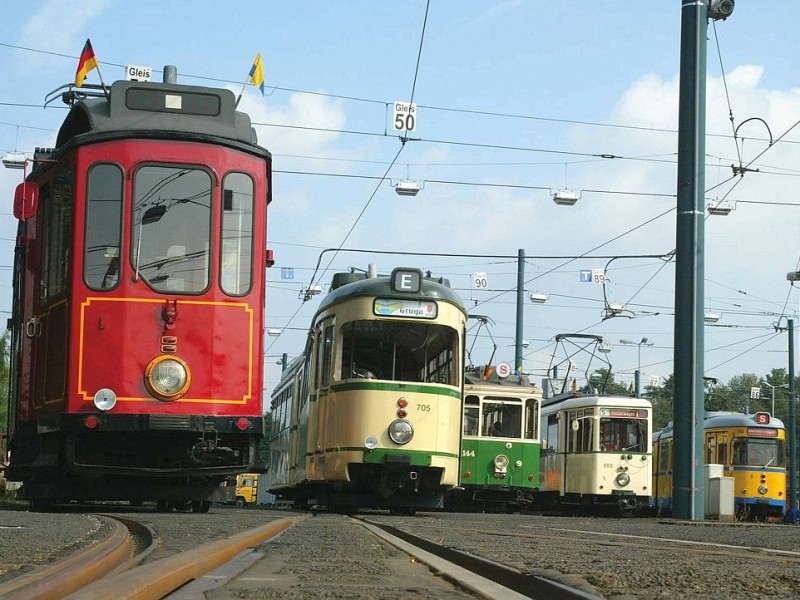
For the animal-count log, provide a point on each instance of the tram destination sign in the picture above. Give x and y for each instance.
(412, 309)
(764, 433)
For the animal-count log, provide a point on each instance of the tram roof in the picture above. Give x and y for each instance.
(346, 286)
(571, 401)
(734, 419)
(160, 110)
(726, 419)
(475, 377)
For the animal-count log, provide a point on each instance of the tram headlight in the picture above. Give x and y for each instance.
(401, 431)
(371, 442)
(501, 463)
(762, 489)
(105, 399)
(167, 377)
(623, 479)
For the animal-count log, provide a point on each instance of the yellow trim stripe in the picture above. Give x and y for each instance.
(248, 309)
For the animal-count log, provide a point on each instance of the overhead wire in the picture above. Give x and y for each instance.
(489, 113)
(353, 98)
(385, 175)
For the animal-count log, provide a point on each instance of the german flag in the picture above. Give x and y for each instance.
(86, 63)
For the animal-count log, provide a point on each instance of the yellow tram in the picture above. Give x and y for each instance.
(750, 447)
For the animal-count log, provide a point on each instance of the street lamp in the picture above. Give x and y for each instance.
(566, 197)
(785, 385)
(644, 342)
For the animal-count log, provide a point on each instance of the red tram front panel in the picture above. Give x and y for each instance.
(109, 352)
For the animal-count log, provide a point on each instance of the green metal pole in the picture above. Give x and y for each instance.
(687, 492)
(520, 304)
(792, 423)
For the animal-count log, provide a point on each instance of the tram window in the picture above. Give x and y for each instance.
(306, 378)
(531, 419)
(663, 455)
(623, 434)
(471, 414)
(103, 227)
(501, 419)
(316, 348)
(758, 452)
(327, 351)
(739, 451)
(236, 258)
(471, 418)
(580, 435)
(552, 432)
(415, 352)
(55, 198)
(171, 228)
(710, 447)
(722, 453)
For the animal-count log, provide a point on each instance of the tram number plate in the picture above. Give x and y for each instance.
(424, 407)
(469, 453)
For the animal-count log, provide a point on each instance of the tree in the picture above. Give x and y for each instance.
(662, 399)
(612, 388)
(735, 396)
(777, 383)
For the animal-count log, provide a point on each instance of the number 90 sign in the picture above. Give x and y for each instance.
(405, 116)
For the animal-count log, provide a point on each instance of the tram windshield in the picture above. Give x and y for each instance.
(501, 419)
(171, 228)
(623, 434)
(418, 352)
(758, 452)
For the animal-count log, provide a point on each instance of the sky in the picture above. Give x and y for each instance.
(515, 100)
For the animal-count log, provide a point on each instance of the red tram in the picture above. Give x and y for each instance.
(137, 327)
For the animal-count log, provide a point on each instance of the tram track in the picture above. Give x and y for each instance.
(119, 566)
(159, 578)
(241, 553)
(487, 578)
(638, 541)
(128, 543)
(116, 566)
(628, 541)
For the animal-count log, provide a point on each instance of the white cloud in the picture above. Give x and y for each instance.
(304, 110)
(62, 23)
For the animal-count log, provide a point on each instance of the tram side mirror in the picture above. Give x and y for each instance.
(26, 200)
(153, 214)
(575, 426)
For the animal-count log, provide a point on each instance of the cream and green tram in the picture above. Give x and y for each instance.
(369, 416)
(596, 454)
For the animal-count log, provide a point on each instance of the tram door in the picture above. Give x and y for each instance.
(578, 458)
(327, 428)
(717, 448)
(46, 326)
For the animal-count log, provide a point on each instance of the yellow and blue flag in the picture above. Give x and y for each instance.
(257, 73)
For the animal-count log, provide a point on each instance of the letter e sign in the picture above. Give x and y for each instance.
(408, 281)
